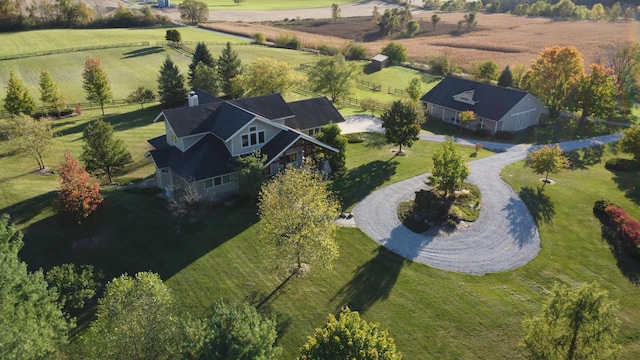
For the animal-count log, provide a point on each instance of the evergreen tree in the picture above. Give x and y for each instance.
(102, 153)
(201, 55)
(32, 325)
(171, 85)
(506, 78)
(50, 94)
(18, 100)
(229, 66)
(96, 83)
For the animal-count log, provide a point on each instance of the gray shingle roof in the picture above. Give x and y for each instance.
(492, 102)
(312, 113)
(270, 106)
(185, 120)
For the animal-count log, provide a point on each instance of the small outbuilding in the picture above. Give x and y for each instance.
(379, 62)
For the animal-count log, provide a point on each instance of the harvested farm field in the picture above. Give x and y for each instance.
(504, 38)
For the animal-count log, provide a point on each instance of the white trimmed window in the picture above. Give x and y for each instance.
(254, 137)
(217, 181)
(313, 132)
(291, 158)
(174, 138)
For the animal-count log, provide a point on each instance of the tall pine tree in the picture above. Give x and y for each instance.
(102, 153)
(171, 85)
(50, 94)
(506, 78)
(229, 66)
(201, 55)
(18, 100)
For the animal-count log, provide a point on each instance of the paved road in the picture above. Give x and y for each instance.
(504, 237)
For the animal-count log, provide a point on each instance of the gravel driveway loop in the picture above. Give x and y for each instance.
(504, 237)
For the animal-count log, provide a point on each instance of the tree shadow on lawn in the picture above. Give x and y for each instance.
(119, 121)
(628, 265)
(537, 204)
(629, 183)
(263, 303)
(135, 233)
(142, 52)
(24, 211)
(361, 181)
(372, 281)
(589, 157)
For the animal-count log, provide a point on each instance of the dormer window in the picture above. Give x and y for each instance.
(465, 97)
(254, 137)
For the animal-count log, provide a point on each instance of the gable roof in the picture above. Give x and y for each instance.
(270, 106)
(490, 102)
(312, 113)
(380, 58)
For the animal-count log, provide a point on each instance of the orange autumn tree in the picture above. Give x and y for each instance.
(78, 197)
(552, 75)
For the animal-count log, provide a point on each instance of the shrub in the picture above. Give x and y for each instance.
(599, 206)
(440, 65)
(355, 51)
(616, 214)
(354, 138)
(289, 41)
(618, 164)
(370, 104)
(630, 229)
(259, 38)
(504, 135)
(328, 50)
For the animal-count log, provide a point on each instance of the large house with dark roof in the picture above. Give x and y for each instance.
(203, 138)
(496, 108)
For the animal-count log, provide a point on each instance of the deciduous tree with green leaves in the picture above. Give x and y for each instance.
(332, 136)
(96, 82)
(29, 136)
(335, 12)
(552, 75)
(630, 141)
(333, 75)
(435, 20)
(595, 94)
(487, 71)
(396, 52)
(136, 319)
(205, 78)
(78, 198)
(171, 84)
(32, 324)
(268, 76)
(251, 174)
(193, 11)
(547, 160)
(449, 169)
(50, 94)
(233, 332)
(401, 123)
(575, 323)
(18, 101)
(296, 219)
(102, 153)
(349, 337)
(173, 35)
(74, 284)
(141, 95)
(229, 66)
(624, 59)
(415, 88)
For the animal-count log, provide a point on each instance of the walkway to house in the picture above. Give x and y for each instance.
(504, 237)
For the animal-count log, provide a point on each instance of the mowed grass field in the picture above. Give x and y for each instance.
(432, 314)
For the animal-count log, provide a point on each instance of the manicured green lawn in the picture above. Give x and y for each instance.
(271, 5)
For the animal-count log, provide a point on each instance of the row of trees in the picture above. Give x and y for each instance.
(18, 15)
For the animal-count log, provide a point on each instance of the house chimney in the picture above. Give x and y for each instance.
(193, 99)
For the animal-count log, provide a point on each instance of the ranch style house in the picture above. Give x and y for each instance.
(203, 139)
(496, 108)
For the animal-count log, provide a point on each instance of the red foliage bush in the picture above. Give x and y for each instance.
(630, 229)
(616, 214)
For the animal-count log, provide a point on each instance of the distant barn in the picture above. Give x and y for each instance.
(379, 62)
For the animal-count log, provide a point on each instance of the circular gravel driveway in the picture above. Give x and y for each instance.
(504, 237)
